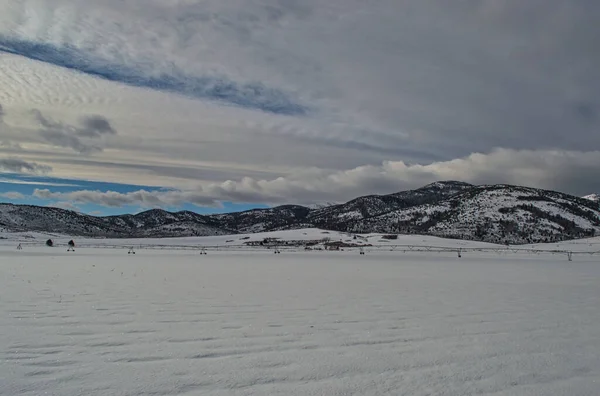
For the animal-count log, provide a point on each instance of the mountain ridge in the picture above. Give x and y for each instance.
(492, 213)
(593, 197)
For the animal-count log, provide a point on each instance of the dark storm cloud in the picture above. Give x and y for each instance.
(83, 139)
(587, 111)
(16, 165)
(60, 138)
(95, 126)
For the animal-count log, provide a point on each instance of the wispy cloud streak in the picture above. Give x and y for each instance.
(16, 165)
(255, 95)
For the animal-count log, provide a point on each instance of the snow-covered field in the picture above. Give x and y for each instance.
(174, 322)
(11, 239)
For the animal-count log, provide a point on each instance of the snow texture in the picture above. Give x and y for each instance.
(173, 322)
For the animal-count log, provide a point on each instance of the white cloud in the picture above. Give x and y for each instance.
(544, 169)
(13, 195)
(36, 183)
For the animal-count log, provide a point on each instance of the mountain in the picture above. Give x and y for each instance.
(160, 223)
(259, 220)
(499, 214)
(339, 217)
(593, 197)
(320, 205)
(335, 217)
(53, 220)
(491, 213)
(152, 223)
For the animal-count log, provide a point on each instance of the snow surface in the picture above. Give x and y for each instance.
(173, 322)
(309, 234)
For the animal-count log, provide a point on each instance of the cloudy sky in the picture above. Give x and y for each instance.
(119, 105)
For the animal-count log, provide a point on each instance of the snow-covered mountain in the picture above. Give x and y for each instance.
(259, 220)
(593, 197)
(160, 223)
(152, 223)
(321, 205)
(339, 217)
(498, 213)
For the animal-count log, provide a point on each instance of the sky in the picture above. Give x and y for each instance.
(118, 106)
